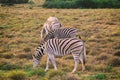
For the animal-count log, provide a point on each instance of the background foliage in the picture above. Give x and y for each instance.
(82, 4)
(14, 1)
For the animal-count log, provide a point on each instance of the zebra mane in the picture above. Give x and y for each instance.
(37, 54)
(41, 42)
(49, 35)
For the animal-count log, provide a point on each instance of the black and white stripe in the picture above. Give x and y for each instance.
(61, 33)
(50, 24)
(61, 47)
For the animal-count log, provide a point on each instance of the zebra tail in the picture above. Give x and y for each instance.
(84, 55)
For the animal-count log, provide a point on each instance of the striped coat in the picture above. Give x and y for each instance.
(60, 47)
(50, 24)
(61, 33)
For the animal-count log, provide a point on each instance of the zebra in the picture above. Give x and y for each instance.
(60, 47)
(61, 33)
(51, 23)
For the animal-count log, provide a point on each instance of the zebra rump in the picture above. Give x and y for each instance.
(50, 24)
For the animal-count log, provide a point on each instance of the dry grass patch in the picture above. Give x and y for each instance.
(20, 34)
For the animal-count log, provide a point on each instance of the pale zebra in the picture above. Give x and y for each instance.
(50, 24)
(61, 33)
(60, 47)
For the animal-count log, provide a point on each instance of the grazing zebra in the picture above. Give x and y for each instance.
(61, 33)
(60, 47)
(50, 24)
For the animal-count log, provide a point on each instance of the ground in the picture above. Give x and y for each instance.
(20, 27)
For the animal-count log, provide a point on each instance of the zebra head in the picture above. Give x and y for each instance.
(38, 55)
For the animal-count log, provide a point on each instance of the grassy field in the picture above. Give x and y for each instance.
(20, 27)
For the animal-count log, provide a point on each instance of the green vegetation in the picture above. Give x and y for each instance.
(14, 1)
(16, 75)
(8, 66)
(39, 72)
(98, 77)
(53, 75)
(82, 4)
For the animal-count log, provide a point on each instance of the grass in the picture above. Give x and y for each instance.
(39, 72)
(20, 29)
(98, 77)
(16, 75)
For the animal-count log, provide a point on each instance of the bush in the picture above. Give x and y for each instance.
(25, 55)
(6, 55)
(103, 56)
(2, 76)
(39, 72)
(98, 77)
(14, 1)
(8, 66)
(53, 73)
(82, 4)
(117, 53)
(114, 61)
(16, 75)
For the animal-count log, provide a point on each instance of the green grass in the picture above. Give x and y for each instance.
(98, 77)
(38, 72)
(16, 75)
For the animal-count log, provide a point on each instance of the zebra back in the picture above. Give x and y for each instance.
(61, 33)
(64, 46)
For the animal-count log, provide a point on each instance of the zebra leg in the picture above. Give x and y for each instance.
(82, 62)
(76, 59)
(53, 61)
(47, 64)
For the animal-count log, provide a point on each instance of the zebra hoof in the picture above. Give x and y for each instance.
(72, 72)
(46, 70)
(55, 69)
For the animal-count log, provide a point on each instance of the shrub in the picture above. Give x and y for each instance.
(117, 53)
(103, 68)
(27, 49)
(6, 55)
(16, 75)
(116, 34)
(2, 76)
(14, 1)
(117, 46)
(103, 56)
(98, 77)
(8, 66)
(114, 61)
(108, 69)
(25, 55)
(53, 73)
(39, 71)
(82, 4)
(72, 78)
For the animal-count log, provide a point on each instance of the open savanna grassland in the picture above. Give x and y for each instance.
(20, 27)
